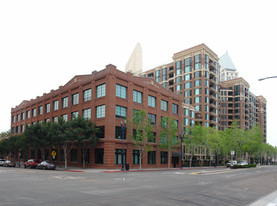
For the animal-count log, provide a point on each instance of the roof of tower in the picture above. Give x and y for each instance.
(134, 64)
(226, 62)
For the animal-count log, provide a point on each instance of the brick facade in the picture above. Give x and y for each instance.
(77, 85)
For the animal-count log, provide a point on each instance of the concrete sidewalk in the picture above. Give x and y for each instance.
(269, 200)
(92, 170)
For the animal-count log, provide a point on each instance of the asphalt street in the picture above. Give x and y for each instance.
(214, 186)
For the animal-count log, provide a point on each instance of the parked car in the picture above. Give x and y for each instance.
(232, 163)
(2, 162)
(32, 163)
(243, 162)
(9, 163)
(46, 165)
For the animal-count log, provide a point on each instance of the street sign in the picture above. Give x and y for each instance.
(54, 153)
(232, 152)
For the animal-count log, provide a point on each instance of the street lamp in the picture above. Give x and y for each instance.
(123, 128)
(181, 135)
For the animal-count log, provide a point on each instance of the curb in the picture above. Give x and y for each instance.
(156, 170)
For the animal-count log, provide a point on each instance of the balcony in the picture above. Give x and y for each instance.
(211, 65)
(212, 89)
(212, 113)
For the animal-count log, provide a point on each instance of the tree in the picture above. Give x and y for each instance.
(85, 134)
(62, 135)
(214, 143)
(38, 136)
(168, 135)
(189, 142)
(5, 134)
(142, 134)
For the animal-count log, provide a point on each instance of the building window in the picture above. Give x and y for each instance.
(198, 108)
(178, 87)
(23, 116)
(34, 112)
(151, 157)
(87, 113)
(206, 82)
(75, 99)
(207, 61)
(100, 111)
(186, 112)
(73, 155)
(118, 156)
(121, 91)
(55, 119)
(135, 157)
(152, 118)
(22, 128)
(188, 85)
(188, 93)
(197, 74)
(158, 75)
(87, 95)
(174, 108)
(74, 115)
(186, 121)
(47, 120)
(18, 117)
(101, 132)
(56, 105)
(47, 108)
(164, 74)
(28, 114)
(137, 96)
(164, 84)
(99, 156)
(101, 90)
(197, 61)
(192, 114)
(40, 110)
(164, 105)
(188, 101)
(188, 77)
(188, 64)
(164, 156)
(151, 101)
(197, 83)
(65, 102)
(237, 90)
(197, 100)
(120, 112)
(197, 91)
(65, 117)
(178, 80)
(118, 133)
(178, 67)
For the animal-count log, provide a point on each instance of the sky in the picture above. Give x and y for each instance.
(43, 44)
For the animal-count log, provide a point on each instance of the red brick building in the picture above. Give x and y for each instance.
(106, 97)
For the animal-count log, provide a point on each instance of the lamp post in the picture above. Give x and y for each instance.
(123, 128)
(267, 78)
(181, 138)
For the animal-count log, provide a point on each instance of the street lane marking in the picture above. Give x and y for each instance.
(210, 172)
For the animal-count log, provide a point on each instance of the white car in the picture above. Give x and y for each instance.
(2, 162)
(243, 162)
(232, 163)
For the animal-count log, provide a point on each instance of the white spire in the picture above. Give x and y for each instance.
(134, 64)
(226, 62)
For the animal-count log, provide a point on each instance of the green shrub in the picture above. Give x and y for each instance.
(243, 166)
